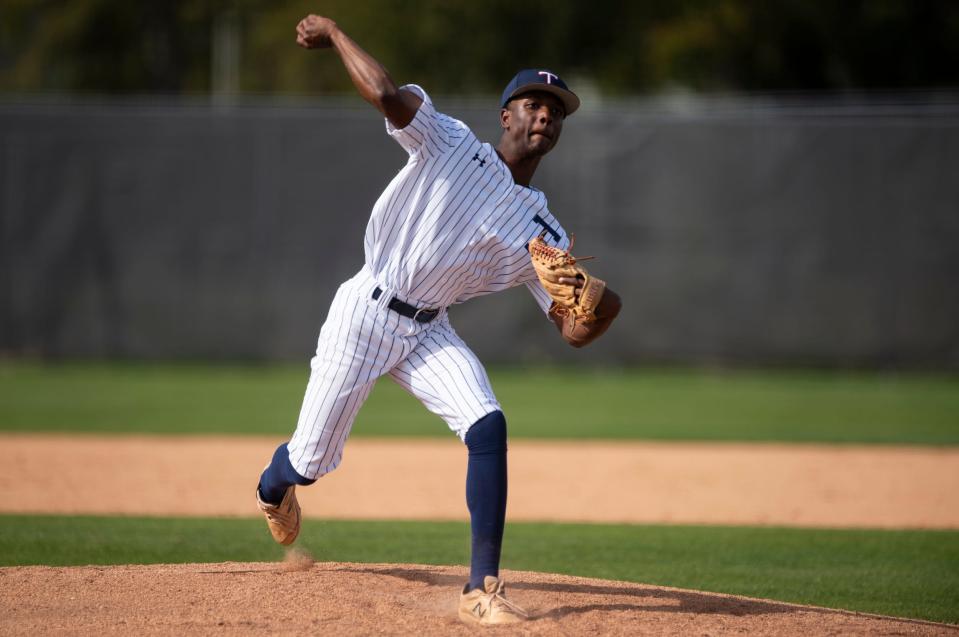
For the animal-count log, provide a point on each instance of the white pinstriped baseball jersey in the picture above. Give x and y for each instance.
(450, 226)
(453, 224)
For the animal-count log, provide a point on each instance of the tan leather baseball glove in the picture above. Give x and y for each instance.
(551, 265)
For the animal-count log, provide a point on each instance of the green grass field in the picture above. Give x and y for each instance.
(902, 573)
(654, 404)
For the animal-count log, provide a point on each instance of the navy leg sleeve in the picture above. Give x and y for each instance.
(279, 476)
(486, 494)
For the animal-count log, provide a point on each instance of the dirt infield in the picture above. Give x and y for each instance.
(581, 481)
(363, 599)
(632, 482)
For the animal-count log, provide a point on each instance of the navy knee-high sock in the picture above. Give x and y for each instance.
(486, 494)
(279, 476)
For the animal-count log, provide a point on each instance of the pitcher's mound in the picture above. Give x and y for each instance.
(299, 597)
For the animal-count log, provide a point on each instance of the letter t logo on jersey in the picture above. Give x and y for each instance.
(549, 76)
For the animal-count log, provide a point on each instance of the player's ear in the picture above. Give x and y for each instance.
(504, 117)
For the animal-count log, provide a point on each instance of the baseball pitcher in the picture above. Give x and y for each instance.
(459, 220)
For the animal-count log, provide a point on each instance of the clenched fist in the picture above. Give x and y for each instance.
(314, 32)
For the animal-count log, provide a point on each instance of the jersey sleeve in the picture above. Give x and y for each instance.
(429, 133)
(540, 295)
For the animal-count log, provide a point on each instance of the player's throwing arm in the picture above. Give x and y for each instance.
(372, 81)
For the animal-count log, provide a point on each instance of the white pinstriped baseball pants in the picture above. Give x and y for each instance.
(363, 339)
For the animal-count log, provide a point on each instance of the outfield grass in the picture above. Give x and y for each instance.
(646, 404)
(902, 573)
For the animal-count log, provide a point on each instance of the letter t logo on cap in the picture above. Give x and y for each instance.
(549, 76)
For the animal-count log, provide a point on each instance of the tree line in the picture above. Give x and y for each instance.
(473, 47)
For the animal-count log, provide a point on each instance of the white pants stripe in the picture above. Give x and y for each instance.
(362, 340)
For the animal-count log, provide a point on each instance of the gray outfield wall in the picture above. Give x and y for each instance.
(737, 231)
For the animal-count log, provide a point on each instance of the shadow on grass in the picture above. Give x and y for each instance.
(688, 601)
(683, 601)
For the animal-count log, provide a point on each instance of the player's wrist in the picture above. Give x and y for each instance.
(336, 35)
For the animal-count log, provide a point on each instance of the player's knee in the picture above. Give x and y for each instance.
(487, 435)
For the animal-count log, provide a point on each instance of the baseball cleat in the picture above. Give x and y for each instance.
(489, 604)
(283, 518)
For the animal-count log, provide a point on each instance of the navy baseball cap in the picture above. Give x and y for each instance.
(540, 80)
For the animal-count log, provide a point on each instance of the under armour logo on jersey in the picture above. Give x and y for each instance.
(549, 76)
(482, 162)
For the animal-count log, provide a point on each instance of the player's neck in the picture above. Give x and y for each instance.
(522, 167)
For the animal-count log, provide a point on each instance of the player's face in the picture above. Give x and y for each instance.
(535, 121)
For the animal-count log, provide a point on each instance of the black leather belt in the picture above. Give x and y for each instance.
(407, 310)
